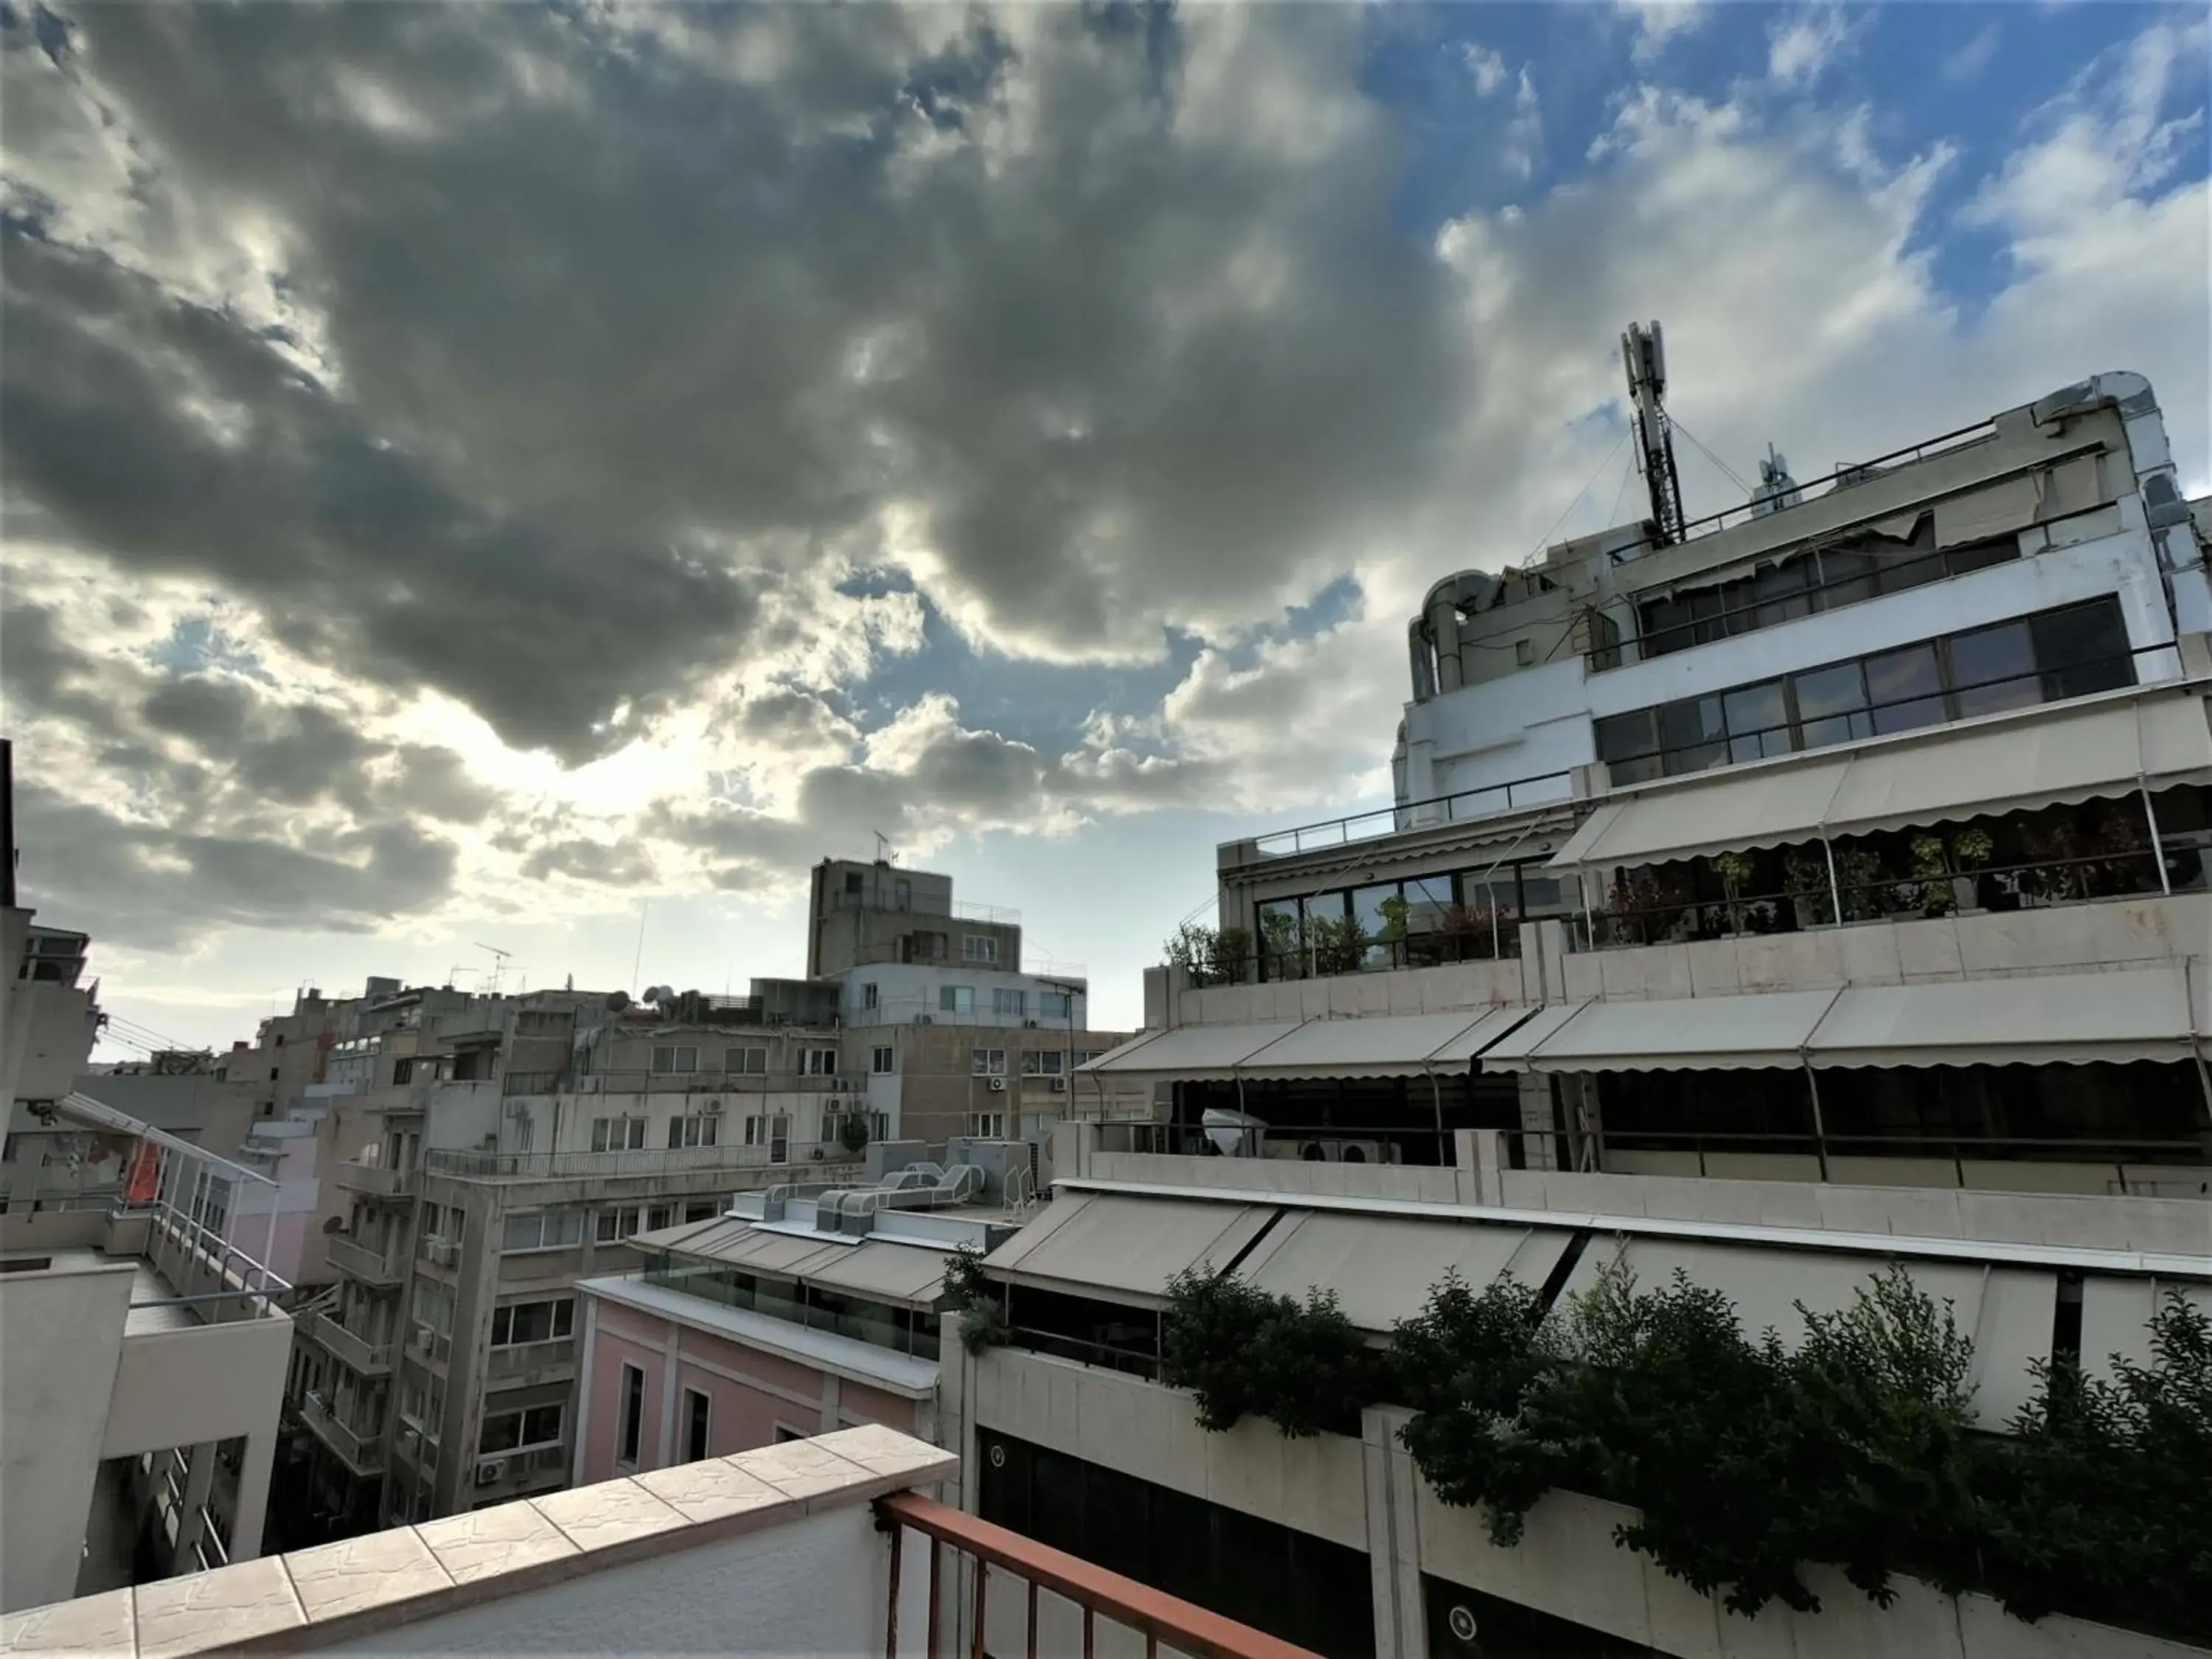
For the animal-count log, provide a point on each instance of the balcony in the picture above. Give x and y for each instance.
(367, 1358)
(555, 1166)
(356, 1260)
(531, 1364)
(373, 1180)
(363, 1453)
(763, 1536)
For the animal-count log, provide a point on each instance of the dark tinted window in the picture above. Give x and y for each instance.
(1994, 669)
(2083, 649)
(1628, 746)
(1905, 689)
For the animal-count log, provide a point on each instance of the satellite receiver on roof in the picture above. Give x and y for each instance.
(616, 1001)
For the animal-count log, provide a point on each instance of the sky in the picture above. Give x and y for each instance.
(540, 477)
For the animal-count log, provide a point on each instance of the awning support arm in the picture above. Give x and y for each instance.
(2157, 848)
(1811, 1084)
(1835, 888)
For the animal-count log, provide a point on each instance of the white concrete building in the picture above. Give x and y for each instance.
(1781, 897)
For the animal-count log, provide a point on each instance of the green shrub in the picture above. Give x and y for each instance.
(976, 1298)
(1242, 1352)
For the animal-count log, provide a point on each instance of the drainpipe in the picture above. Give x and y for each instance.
(1812, 1083)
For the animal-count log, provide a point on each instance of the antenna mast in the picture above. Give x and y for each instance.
(1644, 350)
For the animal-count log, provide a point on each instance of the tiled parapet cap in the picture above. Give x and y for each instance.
(339, 1592)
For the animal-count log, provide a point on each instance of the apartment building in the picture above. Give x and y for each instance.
(799, 1311)
(959, 1039)
(1782, 898)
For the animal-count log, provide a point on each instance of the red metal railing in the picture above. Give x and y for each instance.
(1162, 1620)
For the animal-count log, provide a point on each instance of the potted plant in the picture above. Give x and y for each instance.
(1971, 849)
(1735, 870)
(1932, 894)
(1805, 878)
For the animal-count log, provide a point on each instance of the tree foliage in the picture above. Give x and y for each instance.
(976, 1298)
(1241, 1352)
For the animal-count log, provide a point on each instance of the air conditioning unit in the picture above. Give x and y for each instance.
(998, 1086)
(924, 1019)
(491, 1471)
(424, 1337)
(714, 1108)
(588, 1086)
(1060, 1085)
(1029, 1025)
(444, 1253)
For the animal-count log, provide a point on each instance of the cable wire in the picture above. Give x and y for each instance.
(1733, 478)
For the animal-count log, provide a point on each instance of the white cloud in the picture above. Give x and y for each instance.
(1485, 67)
(1971, 58)
(1802, 44)
(1659, 22)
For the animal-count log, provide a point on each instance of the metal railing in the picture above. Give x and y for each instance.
(356, 1352)
(547, 1166)
(372, 1180)
(706, 1080)
(525, 1364)
(2040, 883)
(363, 1453)
(1494, 941)
(350, 1256)
(1491, 800)
(2117, 1155)
(1853, 472)
(1164, 1621)
(1102, 1356)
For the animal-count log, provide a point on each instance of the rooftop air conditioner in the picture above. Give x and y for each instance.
(491, 1471)
(998, 1086)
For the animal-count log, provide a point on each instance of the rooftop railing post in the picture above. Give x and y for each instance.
(891, 1614)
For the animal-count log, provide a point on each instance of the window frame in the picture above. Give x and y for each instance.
(980, 949)
(884, 1060)
(698, 1425)
(987, 1062)
(683, 1058)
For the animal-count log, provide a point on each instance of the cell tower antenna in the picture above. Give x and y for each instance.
(1644, 350)
(499, 965)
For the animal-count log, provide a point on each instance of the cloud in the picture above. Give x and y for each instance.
(1971, 58)
(1484, 66)
(1660, 22)
(1801, 44)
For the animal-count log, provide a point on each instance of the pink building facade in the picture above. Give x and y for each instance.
(670, 1378)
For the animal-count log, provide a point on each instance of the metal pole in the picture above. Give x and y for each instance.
(1835, 889)
(2157, 848)
(1820, 1129)
(1437, 1091)
(269, 1247)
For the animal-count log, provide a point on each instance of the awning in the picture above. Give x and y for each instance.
(880, 1271)
(1381, 1268)
(2116, 1315)
(1085, 1244)
(1395, 1045)
(2043, 757)
(1765, 806)
(1682, 1033)
(1511, 1052)
(2008, 1311)
(2031, 1019)
(1188, 1053)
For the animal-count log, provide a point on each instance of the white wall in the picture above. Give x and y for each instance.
(1539, 720)
(60, 1335)
(904, 989)
(817, 1587)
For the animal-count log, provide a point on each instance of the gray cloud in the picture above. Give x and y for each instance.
(625, 312)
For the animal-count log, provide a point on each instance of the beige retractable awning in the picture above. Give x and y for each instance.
(1094, 1243)
(2045, 757)
(1770, 803)
(1396, 1045)
(1673, 1034)
(1188, 1053)
(1381, 1268)
(1511, 1052)
(2032, 1019)
(2008, 1311)
(880, 1271)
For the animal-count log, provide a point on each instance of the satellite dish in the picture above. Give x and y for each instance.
(660, 994)
(333, 1223)
(616, 1001)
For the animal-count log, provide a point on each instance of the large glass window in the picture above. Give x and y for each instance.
(1905, 690)
(2071, 653)
(1994, 669)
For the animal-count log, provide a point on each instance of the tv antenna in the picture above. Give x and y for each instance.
(499, 965)
(883, 847)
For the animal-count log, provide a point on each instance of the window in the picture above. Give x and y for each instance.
(868, 994)
(1055, 1004)
(1085, 1056)
(852, 881)
(883, 1061)
(520, 1322)
(520, 1431)
(773, 1132)
(986, 1126)
(631, 1423)
(543, 1229)
(617, 1134)
(675, 1057)
(659, 1216)
(1015, 1002)
(403, 1071)
(745, 1062)
(956, 998)
(1043, 1062)
(2070, 652)
(902, 892)
(698, 1413)
(978, 947)
(988, 1062)
(699, 1211)
(821, 1062)
(698, 1129)
(617, 1223)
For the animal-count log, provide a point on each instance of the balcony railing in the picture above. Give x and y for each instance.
(1491, 801)
(547, 1166)
(531, 1364)
(363, 1452)
(357, 1260)
(356, 1352)
(373, 1180)
(1000, 1563)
